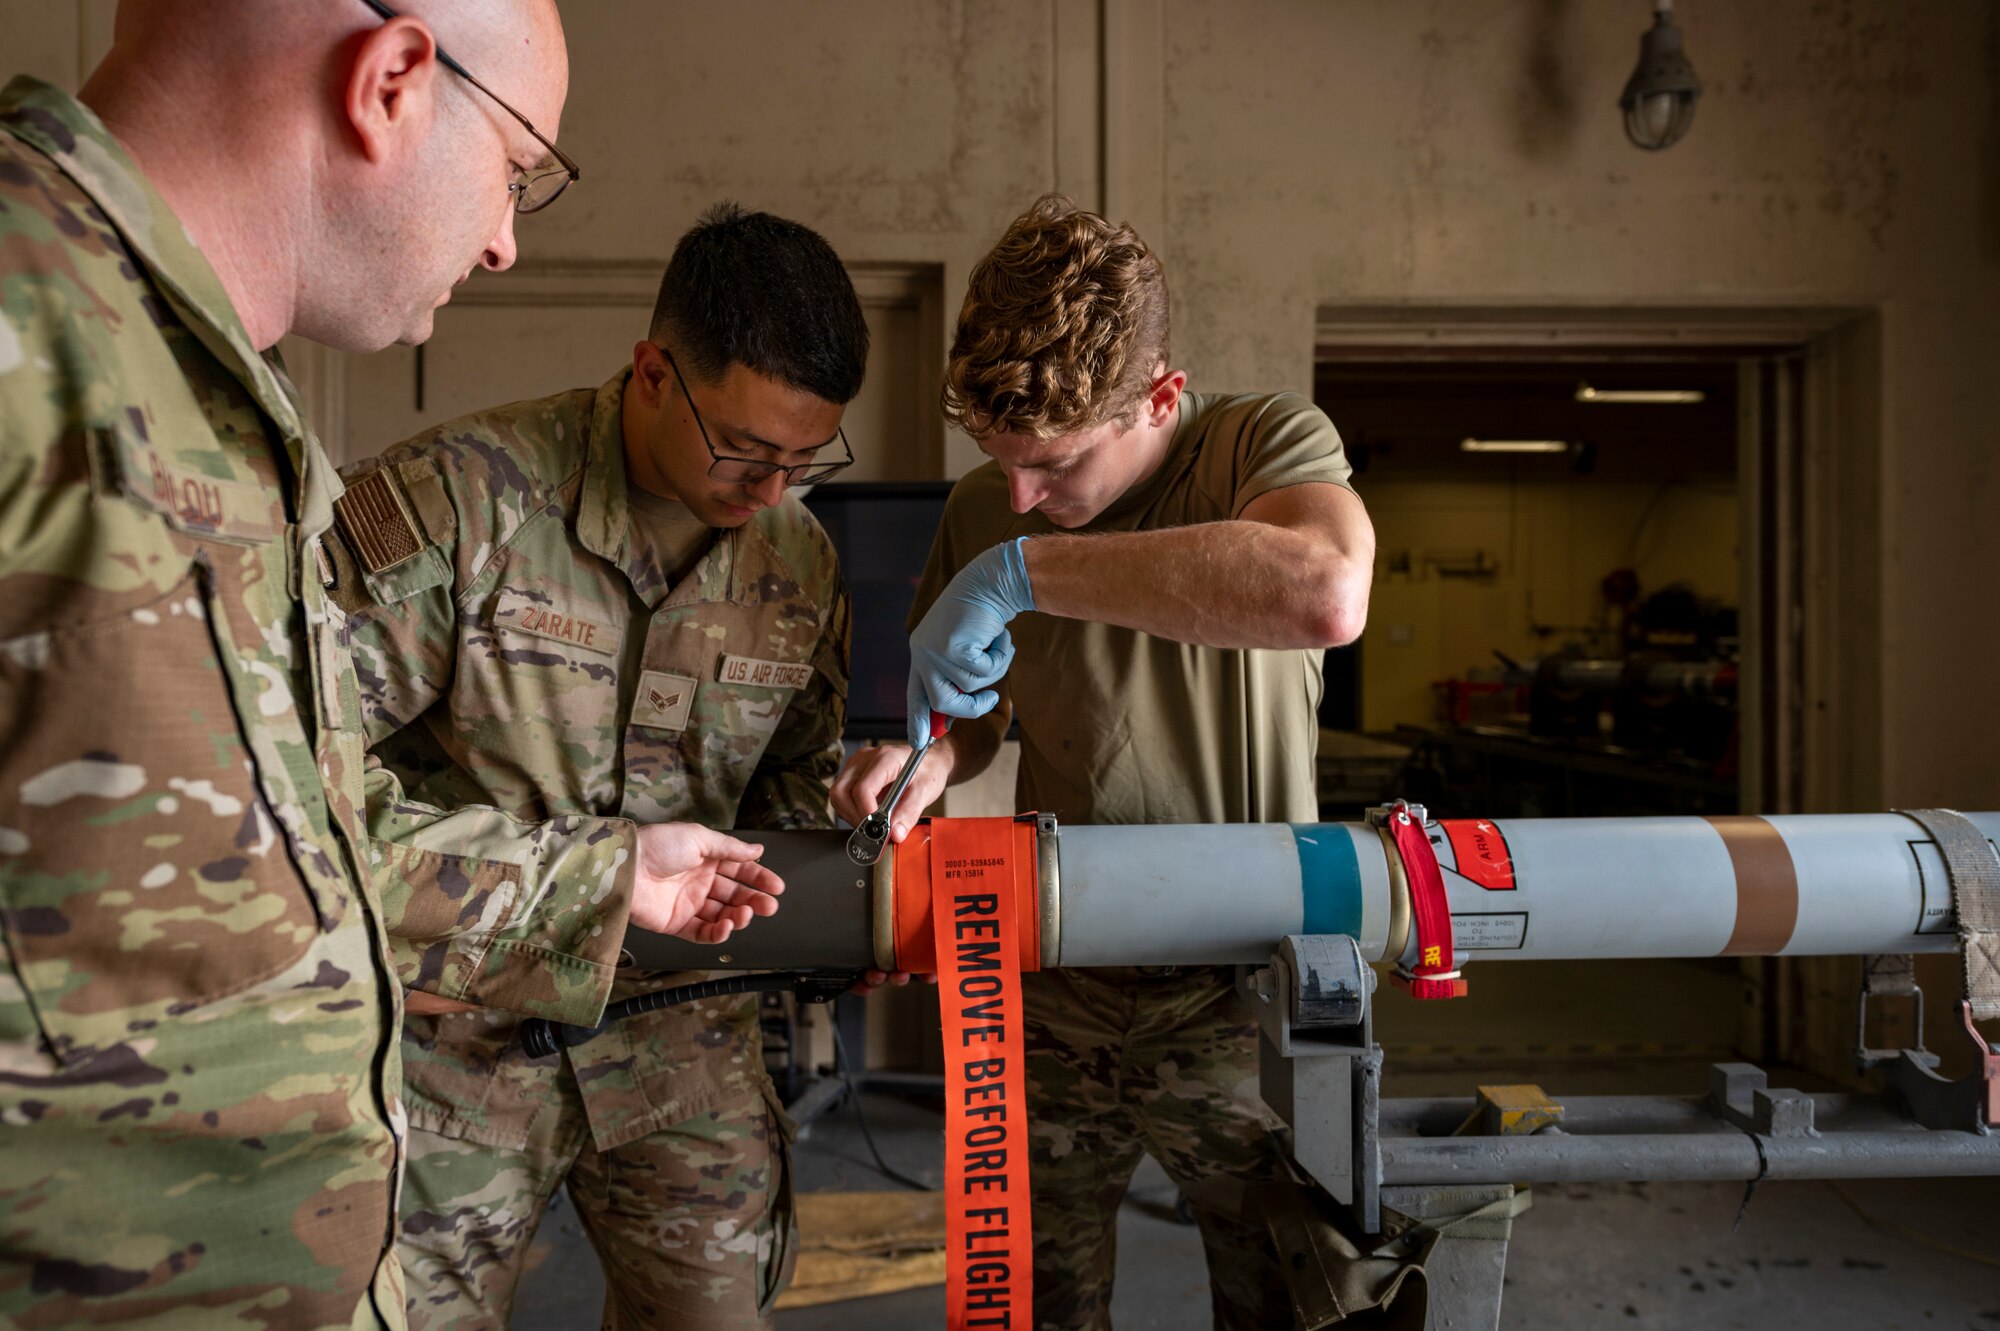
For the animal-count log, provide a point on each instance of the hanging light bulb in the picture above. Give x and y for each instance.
(1659, 98)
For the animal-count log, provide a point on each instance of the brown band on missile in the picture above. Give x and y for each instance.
(1767, 887)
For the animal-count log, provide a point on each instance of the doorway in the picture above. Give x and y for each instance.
(1554, 626)
(1641, 613)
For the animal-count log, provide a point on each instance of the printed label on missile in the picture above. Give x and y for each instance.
(1490, 933)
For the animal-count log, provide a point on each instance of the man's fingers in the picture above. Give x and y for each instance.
(753, 876)
(922, 792)
(722, 913)
(722, 846)
(872, 980)
(738, 906)
(948, 693)
(953, 701)
(857, 791)
(751, 899)
(916, 709)
(709, 932)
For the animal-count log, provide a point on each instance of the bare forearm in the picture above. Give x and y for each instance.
(1218, 584)
(969, 746)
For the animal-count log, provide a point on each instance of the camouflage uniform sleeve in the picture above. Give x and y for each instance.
(483, 907)
(789, 790)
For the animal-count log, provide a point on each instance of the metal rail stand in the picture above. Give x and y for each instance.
(1435, 1159)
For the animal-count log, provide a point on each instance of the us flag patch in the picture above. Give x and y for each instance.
(377, 523)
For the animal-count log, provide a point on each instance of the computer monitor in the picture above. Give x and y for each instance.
(882, 532)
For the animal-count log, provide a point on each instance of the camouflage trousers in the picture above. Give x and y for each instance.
(1123, 1063)
(692, 1221)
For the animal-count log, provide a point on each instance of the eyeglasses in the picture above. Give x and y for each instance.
(536, 189)
(749, 471)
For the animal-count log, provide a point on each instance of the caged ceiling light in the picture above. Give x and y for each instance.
(1659, 98)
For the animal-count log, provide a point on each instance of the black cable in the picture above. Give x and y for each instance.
(541, 1037)
(861, 1115)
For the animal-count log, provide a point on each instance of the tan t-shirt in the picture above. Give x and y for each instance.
(1119, 726)
(676, 537)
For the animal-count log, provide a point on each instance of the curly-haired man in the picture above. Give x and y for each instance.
(1187, 557)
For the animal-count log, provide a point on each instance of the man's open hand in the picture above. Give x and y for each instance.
(698, 884)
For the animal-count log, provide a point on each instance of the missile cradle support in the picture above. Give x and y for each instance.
(1305, 909)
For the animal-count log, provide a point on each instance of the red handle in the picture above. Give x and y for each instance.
(1436, 973)
(939, 724)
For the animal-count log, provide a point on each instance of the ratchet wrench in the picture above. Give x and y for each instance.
(865, 846)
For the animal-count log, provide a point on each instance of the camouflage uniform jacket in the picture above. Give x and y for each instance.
(198, 1048)
(535, 657)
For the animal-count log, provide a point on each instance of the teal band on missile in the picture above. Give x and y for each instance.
(1329, 879)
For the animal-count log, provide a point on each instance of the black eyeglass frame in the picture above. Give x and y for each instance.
(799, 473)
(523, 189)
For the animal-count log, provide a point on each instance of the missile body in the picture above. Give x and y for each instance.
(1518, 889)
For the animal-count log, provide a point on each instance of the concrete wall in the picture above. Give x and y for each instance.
(1843, 154)
(1289, 156)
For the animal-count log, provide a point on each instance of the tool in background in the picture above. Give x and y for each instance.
(865, 846)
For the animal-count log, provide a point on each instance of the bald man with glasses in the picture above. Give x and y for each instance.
(200, 1121)
(590, 613)
(199, 1055)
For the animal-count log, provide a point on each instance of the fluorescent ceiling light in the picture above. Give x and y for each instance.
(1585, 393)
(1513, 446)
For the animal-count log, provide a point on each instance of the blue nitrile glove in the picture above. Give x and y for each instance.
(961, 648)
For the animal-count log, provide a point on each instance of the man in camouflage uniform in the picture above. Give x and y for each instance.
(198, 1057)
(602, 606)
(1216, 525)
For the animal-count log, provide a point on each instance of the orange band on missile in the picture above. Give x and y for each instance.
(916, 949)
(1767, 886)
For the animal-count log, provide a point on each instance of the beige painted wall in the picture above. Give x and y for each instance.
(1288, 155)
